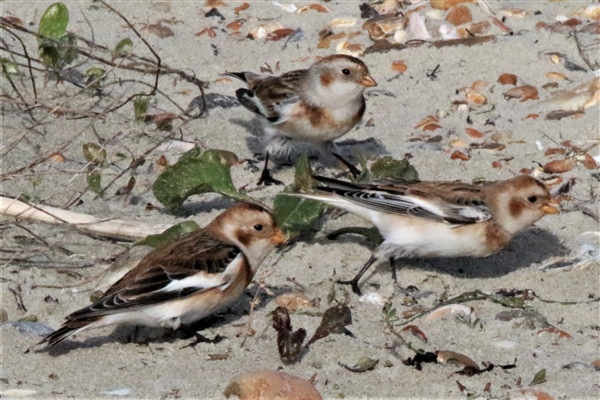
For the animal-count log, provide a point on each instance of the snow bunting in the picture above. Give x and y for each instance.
(315, 105)
(185, 280)
(439, 219)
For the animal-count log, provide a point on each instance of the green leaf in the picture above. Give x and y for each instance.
(389, 168)
(540, 377)
(94, 76)
(58, 53)
(123, 47)
(94, 153)
(8, 67)
(53, 23)
(140, 107)
(94, 181)
(371, 234)
(196, 173)
(174, 232)
(295, 215)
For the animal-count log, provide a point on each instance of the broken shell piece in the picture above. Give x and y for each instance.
(263, 31)
(452, 309)
(478, 28)
(592, 12)
(342, 22)
(445, 356)
(387, 7)
(523, 93)
(384, 25)
(473, 96)
(416, 26)
(401, 36)
(399, 66)
(430, 119)
(474, 133)
(514, 12)
(559, 166)
(447, 4)
(316, 7)
(459, 15)
(507, 79)
(556, 76)
(265, 384)
(350, 49)
(294, 301)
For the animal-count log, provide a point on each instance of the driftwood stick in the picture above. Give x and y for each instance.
(111, 228)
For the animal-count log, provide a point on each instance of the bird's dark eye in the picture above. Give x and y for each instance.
(258, 227)
(346, 71)
(532, 199)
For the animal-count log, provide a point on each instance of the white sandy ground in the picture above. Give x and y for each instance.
(95, 363)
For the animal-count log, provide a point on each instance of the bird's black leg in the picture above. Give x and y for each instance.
(353, 170)
(394, 276)
(265, 176)
(199, 338)
(354, 282)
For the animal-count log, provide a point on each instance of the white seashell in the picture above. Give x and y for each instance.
(263, 30)
(416, 26)
(435, 13)
(286, 7)
(401, 36)
(561, 18)
(372, 298)
(539, 145)
(117, 392)
(342, 22)
(448, 31)
(449, 309)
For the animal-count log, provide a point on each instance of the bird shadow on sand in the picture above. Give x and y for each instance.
(530, 247)
(350, 149)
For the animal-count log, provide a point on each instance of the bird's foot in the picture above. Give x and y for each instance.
(267, 180)
(353, 170)
(353, 284)
(203, 339)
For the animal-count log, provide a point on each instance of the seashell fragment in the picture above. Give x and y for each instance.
(262, 31)
(265, 384)
(514, 12)
(317, 7)
(559, 166)
(235, 25)
(459, 155)
(592, 12)
(523, 93)
(427, 121)
(557, 76)
(449, 309)
(399, 66)
(473, 96)
(348, 48)
(342, 22)
(445, 356)
(401, 36)
(459, 15)
(474, 133)
(294, 301)
(507, 79)
(416, 26)
(447, 4)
